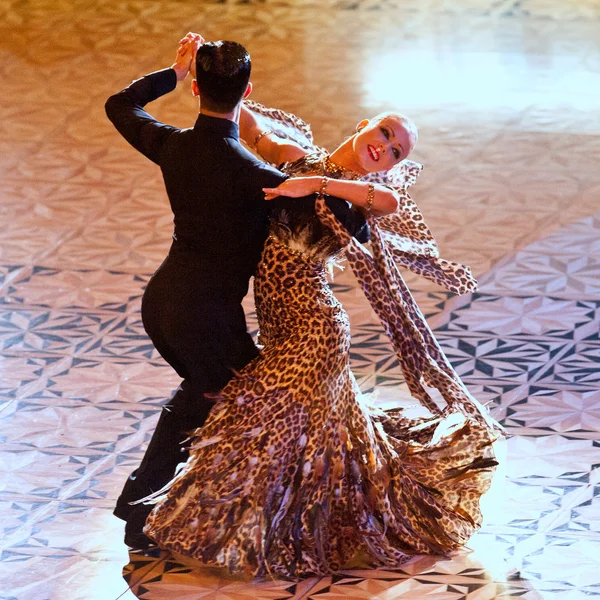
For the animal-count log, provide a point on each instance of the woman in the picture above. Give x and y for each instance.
(293, 473)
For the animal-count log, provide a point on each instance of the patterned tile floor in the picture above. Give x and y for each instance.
(506, 97)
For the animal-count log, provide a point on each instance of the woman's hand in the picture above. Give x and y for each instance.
(295, 187)
(184, 59)
(189, 45)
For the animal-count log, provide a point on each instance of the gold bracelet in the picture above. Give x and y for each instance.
(260, 136)
(324, 183)
(370, 197)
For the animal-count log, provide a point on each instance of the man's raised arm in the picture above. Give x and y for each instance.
(126, 108)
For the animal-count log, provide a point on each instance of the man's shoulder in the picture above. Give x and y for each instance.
(187, 132)
(182, 140)
(254, 164)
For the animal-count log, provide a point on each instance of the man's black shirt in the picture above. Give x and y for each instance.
(214, 184)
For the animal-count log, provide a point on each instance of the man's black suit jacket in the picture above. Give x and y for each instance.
(214, 184)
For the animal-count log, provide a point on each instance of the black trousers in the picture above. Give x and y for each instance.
(196, 322)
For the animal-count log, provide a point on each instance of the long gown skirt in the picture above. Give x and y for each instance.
(293, 472)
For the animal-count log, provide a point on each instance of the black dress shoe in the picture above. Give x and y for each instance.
(134, 527)
(138, 541)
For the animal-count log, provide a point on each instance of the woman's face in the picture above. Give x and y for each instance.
(380, 144)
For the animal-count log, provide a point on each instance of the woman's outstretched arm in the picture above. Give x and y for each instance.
(272, 148)
(377, 199)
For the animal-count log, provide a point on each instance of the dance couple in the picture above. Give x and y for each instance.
(288, 471)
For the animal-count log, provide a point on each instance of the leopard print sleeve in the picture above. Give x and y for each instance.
(423, 362)
(408, 240)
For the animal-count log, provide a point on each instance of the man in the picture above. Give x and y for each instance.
(191, 308)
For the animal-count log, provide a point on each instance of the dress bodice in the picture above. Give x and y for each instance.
(299, 227)
(290, 289)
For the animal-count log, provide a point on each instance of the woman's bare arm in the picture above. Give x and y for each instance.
(272, 148)
(384, 199)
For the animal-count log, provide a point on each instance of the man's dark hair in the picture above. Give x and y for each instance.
(222, 72)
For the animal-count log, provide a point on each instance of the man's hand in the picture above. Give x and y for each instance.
(191, 39)
(295, 187)
(186, 56)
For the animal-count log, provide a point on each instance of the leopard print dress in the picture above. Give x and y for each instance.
(293, 472)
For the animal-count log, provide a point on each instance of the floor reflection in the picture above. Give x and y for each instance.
(506, 101)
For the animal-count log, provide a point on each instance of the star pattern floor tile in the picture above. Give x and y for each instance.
(505, 96)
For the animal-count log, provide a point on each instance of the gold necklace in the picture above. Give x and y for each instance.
(336, 171)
